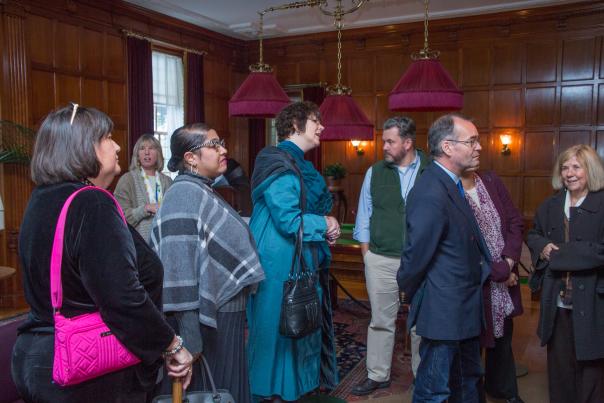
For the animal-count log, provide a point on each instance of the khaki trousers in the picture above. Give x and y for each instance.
(380, 279)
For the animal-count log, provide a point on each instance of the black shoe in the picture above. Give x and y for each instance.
(368, 386)
(516, 399)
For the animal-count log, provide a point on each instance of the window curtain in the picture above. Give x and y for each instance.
(195, 102)
(140, 96)
(168, 92)
(316, 95)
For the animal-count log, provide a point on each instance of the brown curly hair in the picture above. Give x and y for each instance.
(296, 113)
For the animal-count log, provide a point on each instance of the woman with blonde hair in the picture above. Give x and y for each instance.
(567, 250)
(141, 190)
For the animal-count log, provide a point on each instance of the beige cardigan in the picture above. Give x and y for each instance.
(130, 192)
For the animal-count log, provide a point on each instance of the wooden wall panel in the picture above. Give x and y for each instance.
(601, 103)
(507, 64)
(92, 57)
(388, 70)
(67, 90)
(514, 186)
(541, 61)
(40, 51)
(506, 107)
(571, 138)
(575, 105)
(578, 59)
(476, 106)
(540, 106)
(362, 73)
(476, 66)
(115, 58)
(536, 189)
(67, 51)
(506, 164)
(539, 151)
(600, 143)
(42, 99)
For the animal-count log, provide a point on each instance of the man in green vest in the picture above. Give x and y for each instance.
(380, 228)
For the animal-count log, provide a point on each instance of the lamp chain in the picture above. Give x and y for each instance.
(260, 36)
(339, 28)
(426, 2)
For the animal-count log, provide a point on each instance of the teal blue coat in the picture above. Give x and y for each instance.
(279, 365)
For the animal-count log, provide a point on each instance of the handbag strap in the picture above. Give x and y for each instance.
(56, 257)
(297, 257)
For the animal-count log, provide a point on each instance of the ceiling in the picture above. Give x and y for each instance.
(239, 18)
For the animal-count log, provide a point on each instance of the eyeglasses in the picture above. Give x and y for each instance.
(213, 143)
(472, 143)
(317, 121)
(73, 113)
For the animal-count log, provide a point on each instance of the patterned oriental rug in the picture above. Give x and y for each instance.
(350, 325)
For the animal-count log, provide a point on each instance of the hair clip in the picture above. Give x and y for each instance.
(75, 109)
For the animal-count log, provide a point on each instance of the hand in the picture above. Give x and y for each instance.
(546, 252)
(180, 365)
(512, 280)
(333, 229)
(151, 208)
(510, 262)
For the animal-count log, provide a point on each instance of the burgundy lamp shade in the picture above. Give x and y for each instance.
(344, 120)
(259, 96)
(426, 86)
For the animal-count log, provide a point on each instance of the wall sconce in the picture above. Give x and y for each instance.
(357, 146)
(506, 140)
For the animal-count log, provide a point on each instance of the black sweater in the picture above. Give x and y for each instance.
(99, 270)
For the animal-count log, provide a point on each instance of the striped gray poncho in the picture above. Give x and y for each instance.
(207, 250)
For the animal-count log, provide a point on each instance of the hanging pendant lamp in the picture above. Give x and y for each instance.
(426, 85)
(340, 114)
(260, 95)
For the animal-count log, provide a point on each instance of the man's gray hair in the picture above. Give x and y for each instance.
(443, 128)
(405, 125)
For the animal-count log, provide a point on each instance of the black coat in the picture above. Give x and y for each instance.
(583, 256)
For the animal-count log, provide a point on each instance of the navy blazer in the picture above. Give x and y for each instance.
(445, 260)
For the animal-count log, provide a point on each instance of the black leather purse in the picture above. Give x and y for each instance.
(300, 307)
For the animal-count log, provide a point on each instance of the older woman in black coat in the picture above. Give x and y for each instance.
(567, 249)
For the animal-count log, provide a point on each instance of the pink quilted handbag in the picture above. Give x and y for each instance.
(85, 347)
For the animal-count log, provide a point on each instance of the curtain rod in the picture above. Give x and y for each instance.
(162, 43)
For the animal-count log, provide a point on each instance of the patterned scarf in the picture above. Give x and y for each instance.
(155, 191)
(489, 222)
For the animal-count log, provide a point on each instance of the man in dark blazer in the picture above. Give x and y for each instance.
(444, 263)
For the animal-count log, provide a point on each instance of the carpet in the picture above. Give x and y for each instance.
(350, 325)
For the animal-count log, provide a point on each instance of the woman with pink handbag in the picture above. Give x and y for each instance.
(82, 270)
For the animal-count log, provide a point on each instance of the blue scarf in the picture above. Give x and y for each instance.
(318, 198)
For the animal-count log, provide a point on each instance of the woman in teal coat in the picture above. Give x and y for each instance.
(283, 368)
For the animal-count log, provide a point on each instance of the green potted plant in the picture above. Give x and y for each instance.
(334, 173)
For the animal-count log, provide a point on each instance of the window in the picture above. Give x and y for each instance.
(168, 98)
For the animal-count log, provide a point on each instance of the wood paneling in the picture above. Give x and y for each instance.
(476, 66)
(540, 106)
(536, 189)
(541, 61)
(388, 70)
(571, 138)
(578, 59)
(361, 75)
(92, 58)
(601, 103)
(476, 106)
(539, 151)
(506, 107)
(507, 64)
(67, 49)
(575, 105)
(40, 51)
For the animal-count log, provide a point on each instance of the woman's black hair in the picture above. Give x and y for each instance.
(186, 138)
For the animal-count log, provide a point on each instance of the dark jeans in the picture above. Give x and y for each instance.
(500, 367)
(571, 380)
(32, 373)
(448, 371)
